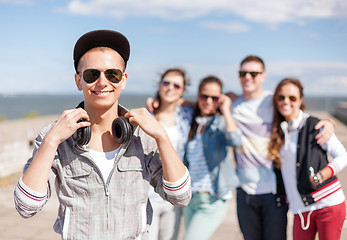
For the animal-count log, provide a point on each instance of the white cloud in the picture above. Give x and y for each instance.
(300, 68)
(265, 11)
(233, 27)
(318, 78)
(341, 80)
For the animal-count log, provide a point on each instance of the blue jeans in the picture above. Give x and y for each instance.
(260, 218)
(202, 216)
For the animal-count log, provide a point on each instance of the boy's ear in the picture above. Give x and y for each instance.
(124, 80)
(264, 76)
(78, 82)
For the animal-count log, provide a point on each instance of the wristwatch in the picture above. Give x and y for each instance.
(316, 179)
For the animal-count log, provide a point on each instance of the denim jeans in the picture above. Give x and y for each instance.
(202, 216)
(260, 218)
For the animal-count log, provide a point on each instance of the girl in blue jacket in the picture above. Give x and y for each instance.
(212, 132)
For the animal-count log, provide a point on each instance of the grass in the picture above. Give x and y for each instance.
(32, 114)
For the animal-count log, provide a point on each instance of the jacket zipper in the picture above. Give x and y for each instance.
(106, 185)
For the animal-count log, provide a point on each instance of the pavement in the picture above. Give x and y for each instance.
(40, 227)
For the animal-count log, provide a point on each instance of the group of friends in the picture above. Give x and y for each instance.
(179, 159)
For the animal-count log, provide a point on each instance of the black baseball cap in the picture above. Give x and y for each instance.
(101, 38)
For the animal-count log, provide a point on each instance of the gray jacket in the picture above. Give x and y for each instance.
(92, 209)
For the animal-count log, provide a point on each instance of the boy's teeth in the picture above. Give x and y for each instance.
(102, 93)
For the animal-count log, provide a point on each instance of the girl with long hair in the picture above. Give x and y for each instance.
(176, 121)
(313, 191)
(212, 132)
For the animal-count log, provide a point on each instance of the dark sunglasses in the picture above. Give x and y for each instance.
(205, 97)
(291, 98)
(113, 75)
(253, 74)
(167, 83)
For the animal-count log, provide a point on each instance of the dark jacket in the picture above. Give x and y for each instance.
(310, 154)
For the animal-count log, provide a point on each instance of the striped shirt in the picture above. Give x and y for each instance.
(198, 169)
(254, 168)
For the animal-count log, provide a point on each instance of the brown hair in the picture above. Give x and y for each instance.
(179, 72)
(203, 82)
(277, 135)
(252, 58)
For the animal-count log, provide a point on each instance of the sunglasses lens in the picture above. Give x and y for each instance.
(177, 86)
(91, 75)
(114, 75)
(215, 99)
(254, 74)
(205, 97)
(165, 83)
(242, 73)
(281, 98)
(292, 98)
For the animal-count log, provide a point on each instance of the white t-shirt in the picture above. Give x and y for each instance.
(104, 161)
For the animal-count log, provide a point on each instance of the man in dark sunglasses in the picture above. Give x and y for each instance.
(261, 208)
(102, 186)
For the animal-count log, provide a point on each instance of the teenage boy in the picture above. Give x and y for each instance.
(102, 187)
(261, 211)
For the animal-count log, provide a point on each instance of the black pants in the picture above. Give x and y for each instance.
(260, 218)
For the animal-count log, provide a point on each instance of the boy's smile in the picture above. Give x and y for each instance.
(102, 93)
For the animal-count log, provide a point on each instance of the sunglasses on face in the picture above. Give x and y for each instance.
(113, 75)
(291, 98)
(167, 83)
(205, 97)
(253, 74)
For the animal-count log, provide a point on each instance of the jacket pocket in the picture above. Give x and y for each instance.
(80, 179)
(129, 164)
(77, 168)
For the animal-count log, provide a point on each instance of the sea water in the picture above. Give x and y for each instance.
(20, 106)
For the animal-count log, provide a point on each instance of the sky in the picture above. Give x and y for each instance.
(305, 39)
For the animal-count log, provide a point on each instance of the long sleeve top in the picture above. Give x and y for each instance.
(326, 196)
(253, 166)
(89, 207)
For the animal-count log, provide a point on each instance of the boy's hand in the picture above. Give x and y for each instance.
(67, 124)
(327, 131)
(152, 104)
(232, 95)
(146, 122)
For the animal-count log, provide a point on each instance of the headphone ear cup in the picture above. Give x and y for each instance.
(82, 135)
(122, 130)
